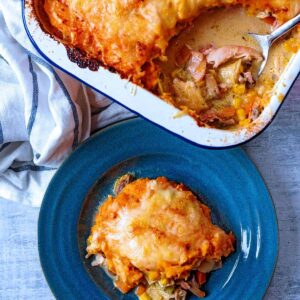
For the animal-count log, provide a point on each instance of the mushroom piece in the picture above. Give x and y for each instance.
(196, 66)
(189, 94)
(122, 182)
(183, 56)
(212, 88)
(180, 294)
(193, 287)
(247, 78)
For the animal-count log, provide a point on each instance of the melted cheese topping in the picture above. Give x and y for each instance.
(126, 34)
(155, 225)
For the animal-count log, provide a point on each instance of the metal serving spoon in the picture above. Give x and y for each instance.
(266, 41)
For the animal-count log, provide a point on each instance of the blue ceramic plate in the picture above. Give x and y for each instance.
(227, 180)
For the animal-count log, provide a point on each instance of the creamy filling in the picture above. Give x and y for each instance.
(211, 70)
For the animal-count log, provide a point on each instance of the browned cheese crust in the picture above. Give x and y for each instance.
(127, 35)
(155, 226)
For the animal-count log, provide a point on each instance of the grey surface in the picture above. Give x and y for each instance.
(277, 155)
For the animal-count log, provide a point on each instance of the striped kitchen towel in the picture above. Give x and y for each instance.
(44, 114)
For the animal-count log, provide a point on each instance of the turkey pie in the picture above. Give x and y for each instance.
(194, 54)
(157, 236)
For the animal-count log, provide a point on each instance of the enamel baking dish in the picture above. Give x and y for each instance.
(150, 106)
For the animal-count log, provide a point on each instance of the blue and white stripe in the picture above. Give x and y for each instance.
(66, 94)
(29, 167)
(1, 135)
(35, 96)
(43, 109)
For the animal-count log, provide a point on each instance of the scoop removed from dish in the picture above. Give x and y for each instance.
(157, 236)
(211, 76)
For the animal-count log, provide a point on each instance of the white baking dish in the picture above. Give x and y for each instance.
(150, 106)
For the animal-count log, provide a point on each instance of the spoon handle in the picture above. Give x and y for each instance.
(285, 28)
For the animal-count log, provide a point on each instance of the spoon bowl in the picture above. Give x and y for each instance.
(266, 41)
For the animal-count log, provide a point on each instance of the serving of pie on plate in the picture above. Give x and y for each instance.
(225, 181)
(154, 234)
(196, 55)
